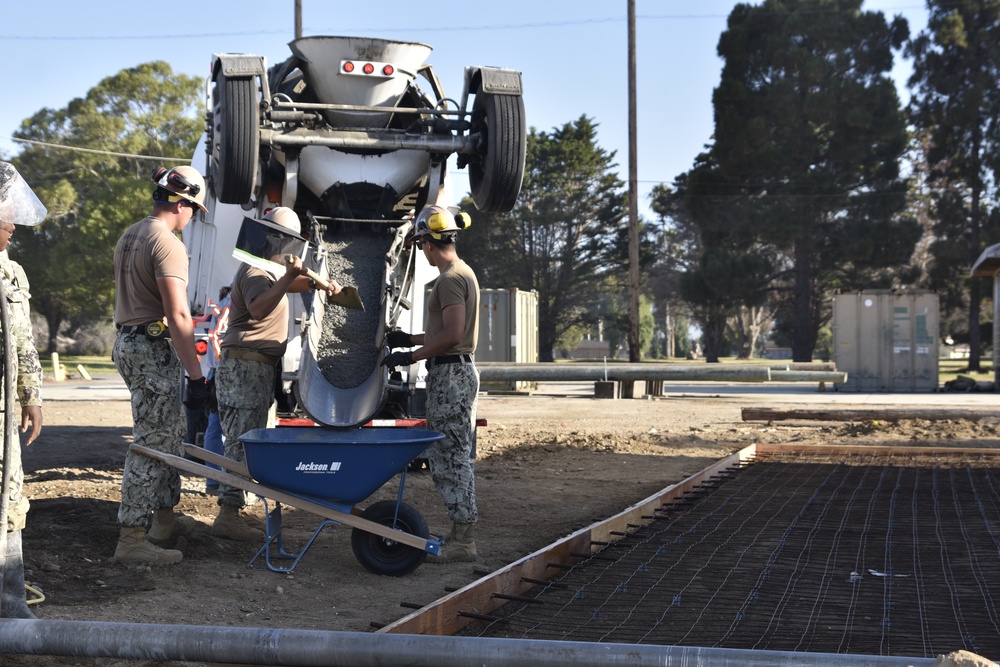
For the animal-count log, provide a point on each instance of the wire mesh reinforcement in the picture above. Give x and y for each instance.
(857, 552)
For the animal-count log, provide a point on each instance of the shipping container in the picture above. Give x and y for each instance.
(886, 340)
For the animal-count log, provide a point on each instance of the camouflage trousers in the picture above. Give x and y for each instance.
(152, 373)
(452, 395)
(17, 504)
(245, 390)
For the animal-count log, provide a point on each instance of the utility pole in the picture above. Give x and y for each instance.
(298, 19)
(633, 199)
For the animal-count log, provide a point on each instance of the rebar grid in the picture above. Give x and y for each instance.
(858, 552)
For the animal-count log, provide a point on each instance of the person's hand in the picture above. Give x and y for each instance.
(31, 414)
(332, 287)
(398, 359)
(197, 394)
(398, 338)
(293, 265)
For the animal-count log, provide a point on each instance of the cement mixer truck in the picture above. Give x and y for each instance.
(355, 135)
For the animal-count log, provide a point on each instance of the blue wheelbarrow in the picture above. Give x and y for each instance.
(326, 472)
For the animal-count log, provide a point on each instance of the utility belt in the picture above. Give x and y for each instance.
(250, 355)
(449, 359)
(154, 330)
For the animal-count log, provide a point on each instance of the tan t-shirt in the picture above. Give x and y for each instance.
(456, 285)
(146, 251)
(269, 335)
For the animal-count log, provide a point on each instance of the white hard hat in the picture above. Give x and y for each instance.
(18, 203)
(184, 182)
(286, 217)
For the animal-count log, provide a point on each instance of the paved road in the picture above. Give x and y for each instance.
(113, 389)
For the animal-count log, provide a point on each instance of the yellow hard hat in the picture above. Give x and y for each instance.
(437, 221)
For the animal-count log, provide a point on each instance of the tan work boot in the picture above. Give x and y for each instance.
(231, 525)
(459, 546)
(167, 525)
(134, 547)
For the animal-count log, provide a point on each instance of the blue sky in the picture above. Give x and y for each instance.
(573, 56)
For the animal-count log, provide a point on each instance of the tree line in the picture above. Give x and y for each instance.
(817, 178)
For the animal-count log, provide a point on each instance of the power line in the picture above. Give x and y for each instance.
(408, 29)
(80, 149)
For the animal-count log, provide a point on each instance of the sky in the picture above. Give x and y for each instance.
(573, 64)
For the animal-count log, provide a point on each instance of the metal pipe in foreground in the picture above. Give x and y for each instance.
(489, 372)
(309, 648)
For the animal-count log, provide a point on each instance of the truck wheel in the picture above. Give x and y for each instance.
(236, 145)
(495, 173)
(384, 556)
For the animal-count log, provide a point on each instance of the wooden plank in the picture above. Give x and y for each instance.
(285, 498)
(888, 450)
(442, 617)
(865, 414)
(221, 461)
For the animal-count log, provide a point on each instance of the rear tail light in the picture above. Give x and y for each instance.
(376, 69)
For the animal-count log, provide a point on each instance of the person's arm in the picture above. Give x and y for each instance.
(264, 303)
(173, 293)
(29, 367)
(450, 335)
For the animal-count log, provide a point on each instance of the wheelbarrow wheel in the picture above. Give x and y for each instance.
(385, 556)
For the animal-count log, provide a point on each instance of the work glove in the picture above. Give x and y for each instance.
(197, 394)
(213, 398)
(398, 338)
(398, 359)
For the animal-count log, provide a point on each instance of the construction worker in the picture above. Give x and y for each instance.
(252, 347)
(448, 346)
(18, 206)
(151, 273)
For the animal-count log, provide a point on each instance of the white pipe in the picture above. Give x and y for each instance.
(317, 648)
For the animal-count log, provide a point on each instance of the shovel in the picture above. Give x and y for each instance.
(347, 297)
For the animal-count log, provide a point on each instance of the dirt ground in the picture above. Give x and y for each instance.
(547, 465)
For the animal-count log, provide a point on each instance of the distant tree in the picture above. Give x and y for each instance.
(557, 238)
(93, 196)
(808, 137)
(955, 81)
(724, 267)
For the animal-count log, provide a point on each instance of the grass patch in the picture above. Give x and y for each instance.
(96, 366)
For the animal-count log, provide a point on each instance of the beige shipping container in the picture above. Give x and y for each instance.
(886, 340)
(508, 330)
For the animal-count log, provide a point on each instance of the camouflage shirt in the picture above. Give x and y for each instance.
(29, 368)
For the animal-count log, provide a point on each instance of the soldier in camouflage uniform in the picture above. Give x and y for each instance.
(18, 205)
(252, 347)
(448, 345)
(151, 272)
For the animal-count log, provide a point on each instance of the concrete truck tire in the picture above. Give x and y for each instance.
(495, 174)
(236, 138)
(387, 557)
